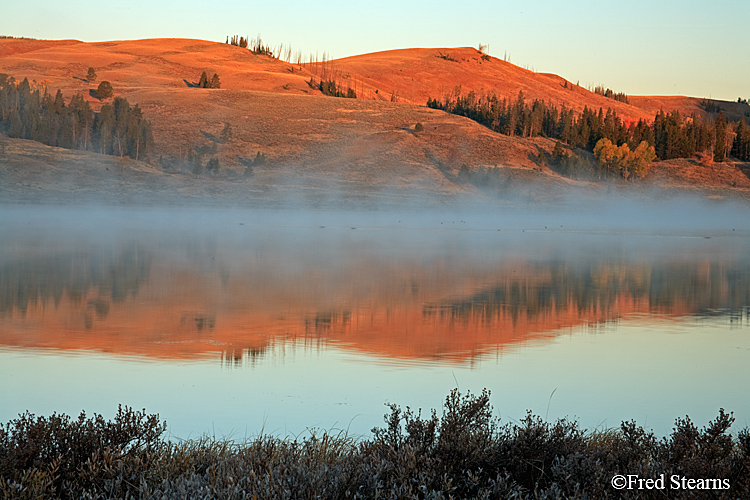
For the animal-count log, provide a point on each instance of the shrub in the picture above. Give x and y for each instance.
(60, 455)
(462, 453)
(91, 75)
(226, 133)
(418, 127)
(104, 90)
(260, 159)
(213, 165)
(197, 164)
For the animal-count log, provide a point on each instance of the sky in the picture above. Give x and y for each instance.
(640, 47)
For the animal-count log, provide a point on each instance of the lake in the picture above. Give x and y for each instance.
(235, 322)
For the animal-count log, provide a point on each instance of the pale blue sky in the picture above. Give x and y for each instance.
(668, 47)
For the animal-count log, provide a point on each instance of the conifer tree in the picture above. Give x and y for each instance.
(741, 144)
(67, 137)
(15, 128)
(215, 83)
(84, 120)
(720, 129)
(197, 165)
(105, 124)
(58, 105)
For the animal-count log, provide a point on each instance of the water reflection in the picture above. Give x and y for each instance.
(94, 277)
(236, 285)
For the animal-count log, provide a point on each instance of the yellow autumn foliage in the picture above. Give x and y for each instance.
(620, 159)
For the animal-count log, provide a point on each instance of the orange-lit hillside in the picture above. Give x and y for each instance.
(312, 141)
(415, 75)
(406, 75)
(412, 315)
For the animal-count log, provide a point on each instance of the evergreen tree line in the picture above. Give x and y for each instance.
(671, 135)
(611, 94)
(31, 113)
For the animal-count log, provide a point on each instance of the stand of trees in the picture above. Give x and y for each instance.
(611, 94)
(237, 41)
(29, 113)
(622, 161)
(205, 83)
(256, 46)
(330, 88)
(671, 135)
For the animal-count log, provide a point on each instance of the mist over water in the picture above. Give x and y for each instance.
(282, 319)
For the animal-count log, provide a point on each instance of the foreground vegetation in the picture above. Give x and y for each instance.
(464, 453)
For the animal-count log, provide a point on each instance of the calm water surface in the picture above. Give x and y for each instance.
(236, 322)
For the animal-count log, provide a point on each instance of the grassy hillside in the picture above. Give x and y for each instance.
(309, 141)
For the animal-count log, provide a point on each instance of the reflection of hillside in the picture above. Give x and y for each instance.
(402, 309)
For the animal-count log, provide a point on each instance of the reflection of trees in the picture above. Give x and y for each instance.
(323, 321)
(600, 285)
(236, 357)
(111, 275)
(703, 288)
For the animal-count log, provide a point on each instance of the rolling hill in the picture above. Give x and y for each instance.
(313, 142)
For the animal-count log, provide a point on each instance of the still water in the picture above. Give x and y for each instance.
(236, 322)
